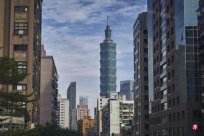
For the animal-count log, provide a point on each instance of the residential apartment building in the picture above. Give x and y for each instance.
(126, 116)
(48, 90)
(117, 115)
(71, 96)
(126, 88)
(108, 64)
(141, 98)
(82, 112)
(111, 118)
(20, 38)
(64, 113)
(175, 91)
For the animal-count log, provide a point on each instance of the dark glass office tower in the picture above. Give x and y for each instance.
(140, 123)
(201, 51)
(175, 93)
(71, 96)
(108, 64)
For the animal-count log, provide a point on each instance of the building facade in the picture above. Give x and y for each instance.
(108, 64)
(201, 51)
(175, 93)
(48, 90)
(83, 100)
(64, 113)
(20, 38)
(126, 88)
(102, 101)
(141, 98)
(74, 119)
(117, 115)
(71, 96)
(82, 112)
(85, 126)
(111, 118)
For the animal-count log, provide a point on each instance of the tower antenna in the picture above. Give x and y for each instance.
(107, 20)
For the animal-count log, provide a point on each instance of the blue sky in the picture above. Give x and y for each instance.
(72, 31)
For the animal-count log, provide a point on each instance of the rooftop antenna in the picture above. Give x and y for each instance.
(107, 20)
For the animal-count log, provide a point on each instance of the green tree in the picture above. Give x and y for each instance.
(12, 103)
(47, 130)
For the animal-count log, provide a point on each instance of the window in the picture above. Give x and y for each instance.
(20, 87)
(173, 101)
(177, 100)
(21, 9)
(20, 28)
(22, 67)
(20, 47)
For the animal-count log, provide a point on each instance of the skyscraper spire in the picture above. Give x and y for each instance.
(108, 30)
(107, 20)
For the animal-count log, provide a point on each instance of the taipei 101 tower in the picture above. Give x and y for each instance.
(108, 64)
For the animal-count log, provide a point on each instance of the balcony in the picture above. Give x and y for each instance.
(164, 86)
(164, 99)
(163, 73)
(163, 61)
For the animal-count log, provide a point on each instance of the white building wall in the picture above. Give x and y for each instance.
(102, 101)
(64, 113)
(114, 117)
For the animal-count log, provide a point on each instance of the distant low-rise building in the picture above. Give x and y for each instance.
(82, 112)
(116, 114)
(86, 126)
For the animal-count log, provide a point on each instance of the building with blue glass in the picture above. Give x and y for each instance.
(126, 88)
(71, 96)
(174, 89)
(108, 64)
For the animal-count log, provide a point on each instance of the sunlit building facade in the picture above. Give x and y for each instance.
(20, 38)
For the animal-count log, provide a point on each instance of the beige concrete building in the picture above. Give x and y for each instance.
(48, 90)
(20, 38)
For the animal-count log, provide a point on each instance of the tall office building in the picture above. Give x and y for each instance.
(71, 96)
(20, 38)
(201, 51)
(141, 99)
(48, 90)
(64, 113)
(83, 100)
(108, 64)
(175, 92)
(126, 88)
